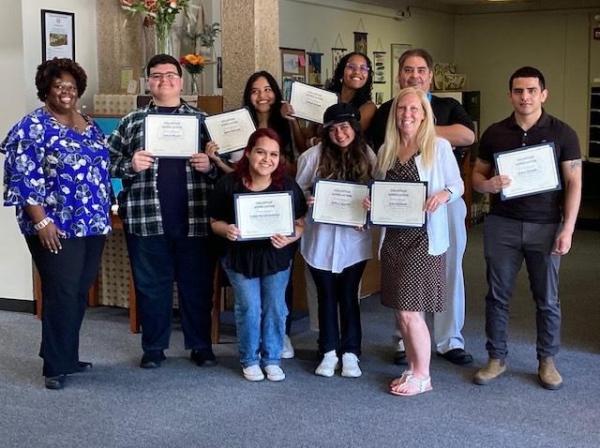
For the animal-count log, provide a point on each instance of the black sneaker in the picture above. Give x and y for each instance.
(55, 382)
(82, 366)
(152, 360)
(400, 358)
(457, 356)
(203, 358)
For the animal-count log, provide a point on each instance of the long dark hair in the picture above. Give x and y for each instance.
(276, 120)
(352, 164)
(362, 95)
(242, 167)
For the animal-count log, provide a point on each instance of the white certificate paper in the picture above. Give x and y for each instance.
(340, 203)
(532, 170)
(310, 102)
(172, 135)
(230, 130)
(398, 204)
(262, 215)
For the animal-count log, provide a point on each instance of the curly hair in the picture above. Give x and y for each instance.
(51, 69)
(242, 167)
(276, 120)
(362, 95)
(350, 165)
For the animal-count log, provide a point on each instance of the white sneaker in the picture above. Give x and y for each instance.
(288, 348)
(274, 373)
(253, 373)
(350, 367)
(328, 365)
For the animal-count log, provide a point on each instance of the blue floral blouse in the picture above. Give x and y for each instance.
(66, 172)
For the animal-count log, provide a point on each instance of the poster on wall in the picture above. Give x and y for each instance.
(293, 64)
(379, 67)
(360, 42)
(314, 69)
(58, 34)
(397, 50)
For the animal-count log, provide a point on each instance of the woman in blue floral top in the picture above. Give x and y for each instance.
(56, 175)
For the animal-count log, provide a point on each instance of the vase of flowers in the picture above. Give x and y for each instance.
(161, 15)
(194, 64)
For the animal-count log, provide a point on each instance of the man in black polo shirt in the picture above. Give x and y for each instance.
(452, 123)
(537, 228)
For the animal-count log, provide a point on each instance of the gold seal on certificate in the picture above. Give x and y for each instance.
(398, 204)
(310, 102)
(172, 135)
(230, 130)
(531, 169)
(261, 215)
(340, 203)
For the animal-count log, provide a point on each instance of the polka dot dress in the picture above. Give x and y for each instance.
(411, 279)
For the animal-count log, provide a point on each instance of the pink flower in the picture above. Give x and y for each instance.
(150, 5)
(127, 2)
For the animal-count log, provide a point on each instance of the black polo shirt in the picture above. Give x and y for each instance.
(446, 111)
(506, 135)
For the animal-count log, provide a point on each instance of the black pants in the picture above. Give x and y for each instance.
(157, 262)
(333, 290)
(66, 279)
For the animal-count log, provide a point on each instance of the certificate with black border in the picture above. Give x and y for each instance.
(311, 102)
(172, 135)
(398, 204)
(340, 202)
(531, 169)
(230, 130)
(259, 216)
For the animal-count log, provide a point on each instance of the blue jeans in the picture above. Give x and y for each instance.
(260, 313)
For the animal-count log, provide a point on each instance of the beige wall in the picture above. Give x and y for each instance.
(303, 21)
(489, 47)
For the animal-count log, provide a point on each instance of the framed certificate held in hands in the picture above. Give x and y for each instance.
(532, 170)
(259, 216)
(340, 203)
(172, 135)
(398, 204)
(311, 102)
(230, 130)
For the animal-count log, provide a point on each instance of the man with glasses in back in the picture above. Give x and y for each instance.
(163, 206)
(454, 124)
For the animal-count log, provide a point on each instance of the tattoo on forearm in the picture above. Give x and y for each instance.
(575, 164)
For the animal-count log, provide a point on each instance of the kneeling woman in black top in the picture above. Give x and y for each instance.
(258, 270)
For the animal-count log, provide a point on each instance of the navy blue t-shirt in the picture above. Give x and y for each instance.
(172, 192)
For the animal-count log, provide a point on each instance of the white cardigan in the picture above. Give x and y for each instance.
(443, 173)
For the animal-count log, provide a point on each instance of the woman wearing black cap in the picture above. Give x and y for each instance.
(337, 255)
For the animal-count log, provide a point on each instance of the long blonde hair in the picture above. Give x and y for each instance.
(425, 135)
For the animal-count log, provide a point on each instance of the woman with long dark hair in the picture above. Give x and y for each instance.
(337, 255)
(258, 270)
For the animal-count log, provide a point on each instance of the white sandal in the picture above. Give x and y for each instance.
(416, 386)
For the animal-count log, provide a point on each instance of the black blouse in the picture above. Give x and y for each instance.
(253, 258)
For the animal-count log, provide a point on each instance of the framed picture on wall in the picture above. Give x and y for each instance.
(360, 42)
(396, 52)
(293, 64)
(58, 34)
(314, 69)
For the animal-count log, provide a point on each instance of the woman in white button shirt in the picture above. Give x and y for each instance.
(337, 255)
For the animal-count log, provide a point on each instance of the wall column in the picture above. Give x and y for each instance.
(250, 42)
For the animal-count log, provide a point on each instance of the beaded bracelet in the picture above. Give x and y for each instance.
(43, 223)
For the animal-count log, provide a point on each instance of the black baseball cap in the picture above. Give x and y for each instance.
(340, 112)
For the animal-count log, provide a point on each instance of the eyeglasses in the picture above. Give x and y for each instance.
(65, 87)
(169, 76)
(355, 67)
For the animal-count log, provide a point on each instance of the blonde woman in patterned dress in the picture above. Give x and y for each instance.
(413, 259)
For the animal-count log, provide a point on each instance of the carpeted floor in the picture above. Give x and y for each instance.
(117, 404)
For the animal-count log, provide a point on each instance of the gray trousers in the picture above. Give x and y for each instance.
(506, 243)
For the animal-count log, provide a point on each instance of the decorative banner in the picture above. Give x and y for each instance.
(397, 50)
(314, 69)
(379, 67)
(360, 42)
(336, 55)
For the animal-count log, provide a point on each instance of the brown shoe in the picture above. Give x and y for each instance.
(492, 370)
(548, 375)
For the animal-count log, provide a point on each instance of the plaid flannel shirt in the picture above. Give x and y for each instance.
(139, 205)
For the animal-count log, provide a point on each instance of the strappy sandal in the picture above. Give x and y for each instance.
(416, 386)
(400, 380)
